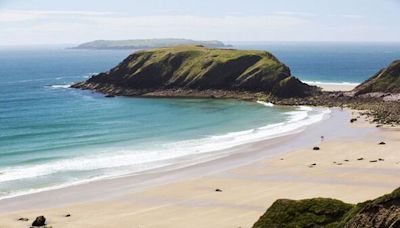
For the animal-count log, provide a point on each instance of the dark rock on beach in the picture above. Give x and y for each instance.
(39, 221)
(316, 148)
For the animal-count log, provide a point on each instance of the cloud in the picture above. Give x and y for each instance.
(29, 15)
(189, 21)
(78, 26)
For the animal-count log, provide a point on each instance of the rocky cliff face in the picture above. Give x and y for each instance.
(383, 212)
(386, 80)
(380, 213)
(198, 68)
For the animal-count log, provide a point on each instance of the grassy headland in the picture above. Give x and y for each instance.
(197, 70)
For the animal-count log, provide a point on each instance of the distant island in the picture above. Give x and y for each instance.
(146, 44)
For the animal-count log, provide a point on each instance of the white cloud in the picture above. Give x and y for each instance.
(185, 21)
(79, 26)
(30, 15)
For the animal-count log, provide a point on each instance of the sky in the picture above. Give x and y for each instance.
(27, 22)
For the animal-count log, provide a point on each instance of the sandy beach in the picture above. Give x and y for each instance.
(329, 87)
(251, 178)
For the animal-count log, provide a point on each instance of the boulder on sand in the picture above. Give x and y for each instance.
(39, 221)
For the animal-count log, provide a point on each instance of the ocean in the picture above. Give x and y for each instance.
(52, 136)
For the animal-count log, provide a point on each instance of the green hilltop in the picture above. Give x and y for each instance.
(200, 68)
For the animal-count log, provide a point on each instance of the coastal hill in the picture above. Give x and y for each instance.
(322, 212)
(146, 44)
(174, 71)
(386, 80)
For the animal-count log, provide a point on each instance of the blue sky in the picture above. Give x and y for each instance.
(53, 22)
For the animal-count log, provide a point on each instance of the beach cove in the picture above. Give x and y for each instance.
(250, 180)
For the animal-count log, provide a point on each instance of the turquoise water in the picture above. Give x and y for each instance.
(53, 136)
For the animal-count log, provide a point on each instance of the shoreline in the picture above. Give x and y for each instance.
(237, 140)
(193, 160)
(177, 188)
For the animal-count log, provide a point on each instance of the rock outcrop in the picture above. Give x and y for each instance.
(380, 213)
(383, 212)
(386, 80)
(201, 69)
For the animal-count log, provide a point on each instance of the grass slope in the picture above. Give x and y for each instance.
(322, 212)
(386, 80)
(318, 212)
(197, 67)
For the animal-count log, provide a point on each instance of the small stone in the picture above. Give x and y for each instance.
(373, 161)
(382, 143)
(346, 160)
(23, 219)
(218, 190)
(353, 120)
(312, 165)
(381, 159)
(360, 159)
(316, 148)
(68, 215)
(39, 221)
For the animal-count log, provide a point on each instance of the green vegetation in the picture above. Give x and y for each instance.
(386, 80)
(145, 43)
(200, 68)
(381, 212)
(321, 212)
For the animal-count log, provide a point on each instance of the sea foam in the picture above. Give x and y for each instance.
(123, 162)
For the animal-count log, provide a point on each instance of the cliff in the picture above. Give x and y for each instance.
(320, 212)
(386, 80)
(198, 68)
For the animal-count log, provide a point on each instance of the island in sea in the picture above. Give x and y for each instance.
(146, 43)
(198, 71)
